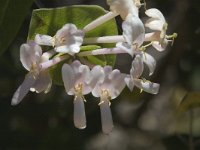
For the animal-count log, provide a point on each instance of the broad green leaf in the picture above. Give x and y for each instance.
(12, 15)
(48, 21)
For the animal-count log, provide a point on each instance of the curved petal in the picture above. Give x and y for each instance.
(62, 49)
(117, 83)
(97, 75)
(133, 30)
(147, 86)
(123, 7)
(155, 13)
(23, 89)
(137, 67)
(154, 24)
(30, 54)
(149, 61)
(126, 47)
(68, 77)
(44, 40)
(129, 82)
(79, 113)
(43, 82)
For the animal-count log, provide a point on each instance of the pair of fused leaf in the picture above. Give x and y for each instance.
(102, 82)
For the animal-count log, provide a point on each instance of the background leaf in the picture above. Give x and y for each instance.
(12, 15)
(48, 21)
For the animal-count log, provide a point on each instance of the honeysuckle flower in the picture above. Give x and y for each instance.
(123, 7)
(158, 23)
(36, 80)
(67, 40)
(109, 86)
(134, 34)
(134, 78)
(75, 78)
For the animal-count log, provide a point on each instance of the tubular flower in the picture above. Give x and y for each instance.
(67, 40)
(157, 22)
(123, 7)
(75, 77)
(36, 80)
(110, 84)
(134, 78)
(134, 34)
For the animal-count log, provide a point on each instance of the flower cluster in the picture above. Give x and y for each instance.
(102, 81)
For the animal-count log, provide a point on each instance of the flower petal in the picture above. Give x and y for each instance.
(106, 117)
(133, 30)
(137, 67)
(97, 75)
(44, 40)
(149, 61)
(79, 113)
(154, 24)
(30, 54)
(68, 77)
(23, 89)
(147, 86)
(126, 47)
(155, 13)
(158, 46)
(43, 82)
(129, 82)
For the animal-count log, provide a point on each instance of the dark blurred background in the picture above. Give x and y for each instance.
(169, 120)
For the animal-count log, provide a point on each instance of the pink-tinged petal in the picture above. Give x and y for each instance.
(75, 66)
(154, 24)
(23, 89)
(155, 13)
(149, 61)
(62, 49)
(96, 92)
(129, 82)
(107, 70)
(30, 54)
(147, 86)
(130, 49)
(68, 77)
(97, 75)
(137, 67)
(106, 116)
(43, 82)
(44, 40)
(117, 83)
(123, 7)
(133, 30)
(79, 113)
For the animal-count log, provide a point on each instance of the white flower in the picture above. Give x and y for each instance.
(134, 34)
(75, 78)
(135, 73)
(157, 22)
(123, 7)
(109, 86)
(67, 40)
(36, 80)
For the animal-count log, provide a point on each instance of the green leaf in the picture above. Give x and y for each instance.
(12, 15)
(48, 21)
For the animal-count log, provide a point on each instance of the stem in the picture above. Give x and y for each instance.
(105, 39)
(102, 51)
(99, 21)
(52, 62)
